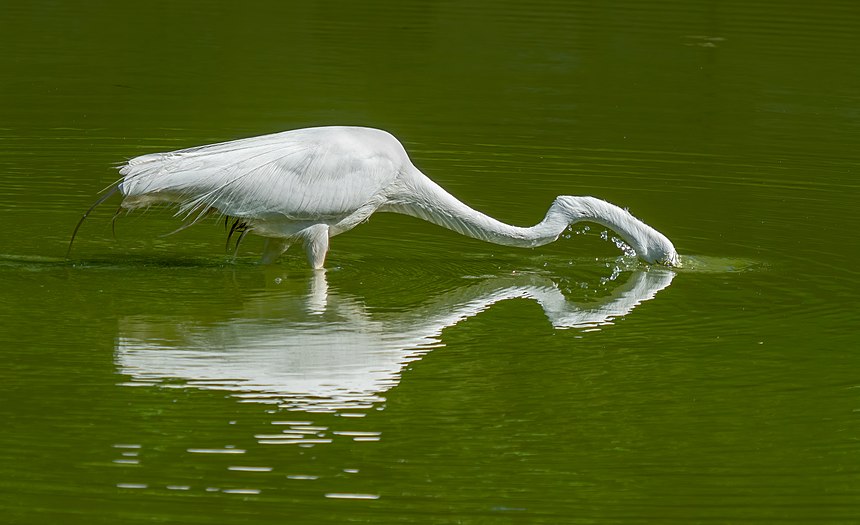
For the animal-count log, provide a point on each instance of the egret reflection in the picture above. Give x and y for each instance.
(325, 352)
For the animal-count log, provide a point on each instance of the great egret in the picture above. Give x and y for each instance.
(308, 185)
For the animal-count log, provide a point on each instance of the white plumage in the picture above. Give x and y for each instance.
(308, 185)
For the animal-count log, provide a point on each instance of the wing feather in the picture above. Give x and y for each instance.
(307, 174)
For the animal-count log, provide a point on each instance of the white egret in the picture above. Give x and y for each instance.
(308, 185)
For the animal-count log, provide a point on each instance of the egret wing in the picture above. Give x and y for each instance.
(307, 174)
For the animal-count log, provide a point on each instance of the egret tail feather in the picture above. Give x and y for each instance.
(239, 241)
(191, 222)
(106, 196)
(238, 226)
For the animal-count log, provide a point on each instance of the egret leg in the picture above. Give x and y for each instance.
(272, 249)
(316, 245)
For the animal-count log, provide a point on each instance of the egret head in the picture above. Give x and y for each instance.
(650, 245)
(658, 249)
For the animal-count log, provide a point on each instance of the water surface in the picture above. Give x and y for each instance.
(427, 377)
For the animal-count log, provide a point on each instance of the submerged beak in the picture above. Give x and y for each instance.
(673, 260)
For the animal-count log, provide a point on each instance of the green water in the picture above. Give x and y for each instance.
(426, 377)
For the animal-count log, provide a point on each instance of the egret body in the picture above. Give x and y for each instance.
(308, 185)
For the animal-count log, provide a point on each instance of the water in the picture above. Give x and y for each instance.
(427, 377)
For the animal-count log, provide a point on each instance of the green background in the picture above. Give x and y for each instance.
(730, 395)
